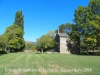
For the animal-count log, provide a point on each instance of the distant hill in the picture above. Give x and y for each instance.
(33, 43)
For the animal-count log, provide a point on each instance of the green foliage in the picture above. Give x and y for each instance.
(19, 19)
(52, 34)
(29, 46)
(86, 27)
(14, 36)
(65, 28)
(3, 42)
(62, 28)
(33, 48)
(45, 42)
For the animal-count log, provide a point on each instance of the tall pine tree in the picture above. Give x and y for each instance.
(19, 19)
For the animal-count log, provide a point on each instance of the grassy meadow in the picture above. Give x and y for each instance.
(31, 63)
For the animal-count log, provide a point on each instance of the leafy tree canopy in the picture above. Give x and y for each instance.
(14, 35)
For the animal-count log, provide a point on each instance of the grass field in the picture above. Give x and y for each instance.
(29, 63)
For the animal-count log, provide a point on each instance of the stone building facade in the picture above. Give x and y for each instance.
(61, 43)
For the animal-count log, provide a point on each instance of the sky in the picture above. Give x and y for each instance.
(40, 16)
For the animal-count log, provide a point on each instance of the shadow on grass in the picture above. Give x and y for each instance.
(90, 54)
(3, 54)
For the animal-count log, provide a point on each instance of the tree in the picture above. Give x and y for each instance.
(33, 48)
(87, 24)
(93, 13)
(3, 42)
(28, 45)
(45, 42)
(62, 28)
(52, 34)
(14, 36)
(77, 30)
(19, 19)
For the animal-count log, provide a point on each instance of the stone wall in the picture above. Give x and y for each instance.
(63, 45)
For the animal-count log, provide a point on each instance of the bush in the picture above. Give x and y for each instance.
(3, 52)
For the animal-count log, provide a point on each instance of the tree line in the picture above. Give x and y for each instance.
(46, 42)
(85, 29)
(12, 39)
(83, 32)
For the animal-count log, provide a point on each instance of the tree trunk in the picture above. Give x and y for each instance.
(78, 45)
(87, 50)
(42, 50)
(11, 50)
(37, 51)
(93, 48)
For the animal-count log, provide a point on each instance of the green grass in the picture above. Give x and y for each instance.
(27, 63)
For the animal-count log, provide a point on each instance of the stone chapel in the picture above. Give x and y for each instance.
(61, 43)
